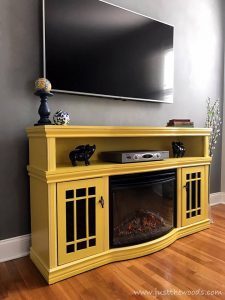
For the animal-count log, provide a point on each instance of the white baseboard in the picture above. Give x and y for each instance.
(14, 248)
(19, 246)
(217, 198)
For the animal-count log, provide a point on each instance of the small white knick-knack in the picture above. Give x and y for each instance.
(61, 118)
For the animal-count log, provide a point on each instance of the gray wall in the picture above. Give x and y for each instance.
(198, 74)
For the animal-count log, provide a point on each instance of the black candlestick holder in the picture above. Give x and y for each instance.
(44, 110)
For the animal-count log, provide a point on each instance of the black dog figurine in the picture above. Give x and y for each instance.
(82, 153)
(178, 149)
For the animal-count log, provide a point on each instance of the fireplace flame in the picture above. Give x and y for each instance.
(141, 222)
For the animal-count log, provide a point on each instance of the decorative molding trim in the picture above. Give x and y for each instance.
(217, 198)
(15, 247)
(112, 131)
(67, 270)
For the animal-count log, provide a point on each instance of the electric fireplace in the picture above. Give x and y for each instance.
(142, 207)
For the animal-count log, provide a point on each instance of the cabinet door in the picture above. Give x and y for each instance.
(80, 219)
(194, 194)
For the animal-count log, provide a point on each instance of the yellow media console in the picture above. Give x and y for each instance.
(58, 249)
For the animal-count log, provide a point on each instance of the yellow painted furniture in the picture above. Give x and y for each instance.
(55, 186)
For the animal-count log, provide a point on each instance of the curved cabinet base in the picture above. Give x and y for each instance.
(62, 272)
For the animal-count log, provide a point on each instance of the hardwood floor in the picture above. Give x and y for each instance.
(189, 268)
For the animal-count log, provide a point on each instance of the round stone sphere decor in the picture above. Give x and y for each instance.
(61, 118)
(43, 85)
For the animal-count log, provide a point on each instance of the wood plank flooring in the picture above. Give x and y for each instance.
(191, 268)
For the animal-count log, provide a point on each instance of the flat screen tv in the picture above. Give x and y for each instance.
(92, 47)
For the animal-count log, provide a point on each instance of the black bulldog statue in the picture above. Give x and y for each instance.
(178, 149)
(82, 153)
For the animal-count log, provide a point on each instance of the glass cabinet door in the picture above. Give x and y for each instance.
(194, 195)
(80, 214)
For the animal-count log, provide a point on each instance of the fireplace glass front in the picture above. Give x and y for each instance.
(142, 207)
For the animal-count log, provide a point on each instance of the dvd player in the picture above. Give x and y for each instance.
(132, 156)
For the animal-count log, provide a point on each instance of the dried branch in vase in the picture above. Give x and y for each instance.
(213, 121)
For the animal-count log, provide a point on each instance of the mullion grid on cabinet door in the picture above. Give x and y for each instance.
(92, 195)
(193, 196)
(92, 221)
(88, 240)
(196, 201)
(80, 241)
(190, 198)
(73, 197)
(75, 224)
(87, 218)
(187, 196)
(196, 195)
(199, 197)
(81, 217)
(193, 191)
(70, 218)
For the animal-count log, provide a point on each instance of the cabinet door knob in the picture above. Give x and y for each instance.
(186, 187)
(101, 201)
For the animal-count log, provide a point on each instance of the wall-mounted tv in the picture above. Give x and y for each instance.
(92, 47)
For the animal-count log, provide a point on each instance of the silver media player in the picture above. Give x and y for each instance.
(134, 156)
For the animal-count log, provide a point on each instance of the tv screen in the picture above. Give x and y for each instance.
(95, 48)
